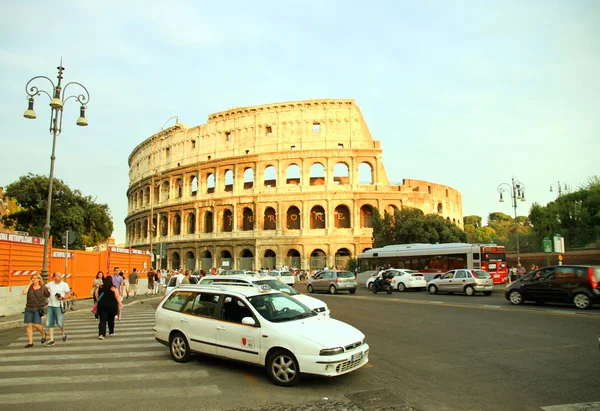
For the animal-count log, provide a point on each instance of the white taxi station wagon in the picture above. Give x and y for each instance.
(257, 325)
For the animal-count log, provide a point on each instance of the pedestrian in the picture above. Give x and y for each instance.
(98, 281)
(512, 274)
(118, 280)
(59, 290)
(186, 278)
(150, 283)
(213, 271)
(180, 277)
(133, 284)
(122, 289)
(35, 307)
(521, 271)
(156, 282)
(109, 305)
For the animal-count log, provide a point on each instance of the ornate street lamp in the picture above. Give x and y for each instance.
(516, 191)
(58, 98)
(560, 188)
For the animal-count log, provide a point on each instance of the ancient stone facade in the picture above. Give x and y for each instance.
(290, 184)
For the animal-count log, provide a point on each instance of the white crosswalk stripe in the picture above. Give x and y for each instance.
(131, 364)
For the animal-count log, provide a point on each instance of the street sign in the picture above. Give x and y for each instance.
(546, 245)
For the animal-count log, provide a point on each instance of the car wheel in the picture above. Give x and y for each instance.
(283, 368)
(180, 349)
(469, 290)
(310, 289)
(582, 301)
(370, 286)
(487, 293)
(352, 291)
(432, 289)
(515, 297)
(332, 289)
(401, 287)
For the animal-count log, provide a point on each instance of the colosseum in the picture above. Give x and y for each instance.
(292, 184)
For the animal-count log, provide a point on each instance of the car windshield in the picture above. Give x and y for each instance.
(279, 286)
(273, 273)
(233, 272)
(279, 308)
(481, 274)
(286, 274)
(345, 274)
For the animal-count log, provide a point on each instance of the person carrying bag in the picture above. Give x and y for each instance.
(35, 308)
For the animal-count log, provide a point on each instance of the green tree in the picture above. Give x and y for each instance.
(91, 222)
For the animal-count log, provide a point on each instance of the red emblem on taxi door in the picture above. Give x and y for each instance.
(243, 340)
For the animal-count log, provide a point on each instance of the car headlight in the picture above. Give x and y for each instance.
(331, 351)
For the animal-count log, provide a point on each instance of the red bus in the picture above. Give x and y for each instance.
(433, 259)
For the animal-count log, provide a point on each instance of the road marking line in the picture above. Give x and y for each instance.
(48, 355)
(145, 393)
(70, 348)
(90, 334)
(91, 366)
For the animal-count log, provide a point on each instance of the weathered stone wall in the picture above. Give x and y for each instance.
(295, 183)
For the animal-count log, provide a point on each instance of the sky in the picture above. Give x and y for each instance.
(468, 94)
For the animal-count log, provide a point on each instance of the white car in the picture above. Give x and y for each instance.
(172, 284)
(258, 325)
(287, 277)
(403, 280)
(313, 303)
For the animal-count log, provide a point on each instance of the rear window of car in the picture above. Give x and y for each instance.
(481, 274)
(345, 274)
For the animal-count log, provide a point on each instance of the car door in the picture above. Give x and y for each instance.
(536, 285)
(200, 322)
(459, 281)
(317, 281)
(234, 339)
(445, 282)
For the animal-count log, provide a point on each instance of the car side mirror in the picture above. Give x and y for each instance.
(248, 321)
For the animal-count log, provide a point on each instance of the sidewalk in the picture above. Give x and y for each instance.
(84, 308)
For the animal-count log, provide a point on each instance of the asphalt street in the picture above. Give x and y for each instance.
(441, 352)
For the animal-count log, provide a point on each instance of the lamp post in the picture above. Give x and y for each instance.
(151, 225)
(516, 191)
(58, 98)
(559, 188)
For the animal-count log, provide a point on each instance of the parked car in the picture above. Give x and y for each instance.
(173, 283)
(570, 284)
(314, 304)
(287, 277)
(233, 323)
(462, 281)
(403, 279)
(332, 281)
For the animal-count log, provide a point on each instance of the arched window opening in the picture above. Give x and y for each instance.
(440, 208)
(206, 261)
(175, 261)
(194, 186)
(147, 196)
(247, 219)
(226, 260)
(190, 261)
(176, 224)
(270, 178)
(191, 223)
(293, 218)
(342, 258)
(317, 217)
(269, 260)
(164, 226)
(246, 261)
(145, 228)
(366, 216)
(341, 217)
(227, 224)
(248, 178)
(164, 193)
(270, 222)
(157, 193)
(208, 222)
(317, 175)
(340, 174)
(228, 181)
(365, 173)
(292, 175)
(210, 184)
(294, 260)
(391, 209)
(318, 259)
(179, 188)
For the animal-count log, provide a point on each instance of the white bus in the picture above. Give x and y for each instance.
(433, 259)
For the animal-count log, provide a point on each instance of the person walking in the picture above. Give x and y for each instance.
(150, 282)
(37, 301)
(133, 284)
(109, 305)
(59, 290)
(156, 282)
(118, 280)
(98, 281)
(186, 278)
(521, 271)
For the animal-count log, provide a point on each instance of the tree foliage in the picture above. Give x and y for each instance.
(410, 225)
(91, 222)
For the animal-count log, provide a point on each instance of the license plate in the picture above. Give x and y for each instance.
(356, 356)
(496, 275)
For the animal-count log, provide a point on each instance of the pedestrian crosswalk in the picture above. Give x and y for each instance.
(129, 370)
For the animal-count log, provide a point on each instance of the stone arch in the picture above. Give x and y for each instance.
(366, 216)
(342, 257)
(247, 219)
(293, 175)
(365, 173)
(190, 261)
(270, 177)
(156, 193)
(145, 228)
(176, 224)
(193, 186)
(318, 259)
(340, 174)
(191, 223)
(246, 260)
(248, 178)
(317, 174)
(175, 260)
(293, 218)
(341, 217)
(391, 209)
(210, 183)
(138, 229)
(164, 191)
(270, 219)
(229, 178)
(294, 258)
(164, 225)
(208, 222)
(317, 217)
(206, 260)
(226, 259)
(146, 195)
(227, 221)
(440, 208)
(179, 188)
(269, 259)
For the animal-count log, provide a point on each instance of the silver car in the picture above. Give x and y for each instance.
(462, 281)
(332, 281)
